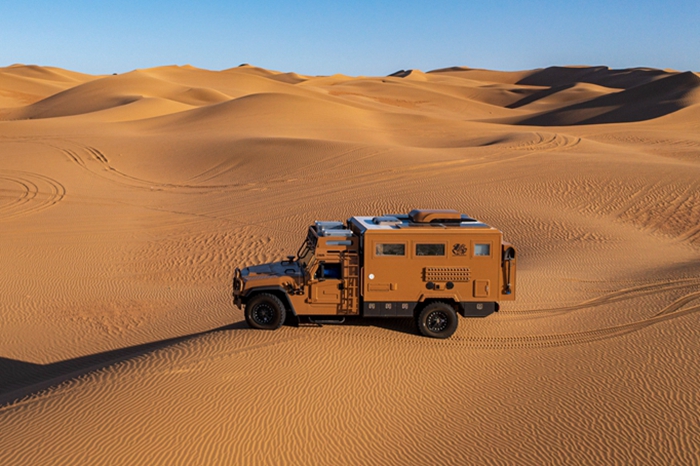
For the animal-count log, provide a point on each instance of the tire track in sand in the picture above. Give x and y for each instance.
(541, 143)
(514, 342)
(616, 296)
(576, 338)
(26, 193)
(84, 155)
(672, 311)
(545, 142)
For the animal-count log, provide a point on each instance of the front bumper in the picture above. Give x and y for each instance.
(238, 288)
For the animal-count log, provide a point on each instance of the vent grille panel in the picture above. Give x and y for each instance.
(446, 274)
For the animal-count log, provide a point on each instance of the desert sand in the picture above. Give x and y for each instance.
(126, 202)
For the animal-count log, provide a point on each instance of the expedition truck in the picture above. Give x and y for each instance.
(429, 265)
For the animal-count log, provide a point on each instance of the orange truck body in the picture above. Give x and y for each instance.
(389, 266)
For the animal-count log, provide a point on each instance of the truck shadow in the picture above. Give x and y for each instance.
(20, 379)
(399, 325)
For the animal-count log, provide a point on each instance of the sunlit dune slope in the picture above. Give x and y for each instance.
(127, 201)
(116, 91)
(279, 113)
(21, 85)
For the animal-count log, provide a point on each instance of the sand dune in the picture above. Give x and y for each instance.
(557, 96)
(126, 202)
(643, 102)
(487, 76)
(47, 73)
(115, 91)
(21, 85)
(279, 111)
(599, 75)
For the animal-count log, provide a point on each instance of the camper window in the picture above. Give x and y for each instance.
(430, 249)
(482, 249)
(390, 249)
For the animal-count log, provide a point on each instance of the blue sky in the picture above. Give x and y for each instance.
(354, 38)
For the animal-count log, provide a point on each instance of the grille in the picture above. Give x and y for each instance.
(446, 274)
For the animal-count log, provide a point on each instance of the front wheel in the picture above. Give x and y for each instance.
(265, 312)
(437, 320)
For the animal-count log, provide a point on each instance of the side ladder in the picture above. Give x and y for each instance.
(349, 295)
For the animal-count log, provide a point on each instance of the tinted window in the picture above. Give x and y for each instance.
(326, 270)
(430, 249)
(386, 249)
(482, 249)
(331, 271)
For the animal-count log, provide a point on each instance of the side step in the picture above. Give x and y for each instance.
(320, 322)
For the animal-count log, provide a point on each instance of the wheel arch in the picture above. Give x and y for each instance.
(428, 301)
(277, 291)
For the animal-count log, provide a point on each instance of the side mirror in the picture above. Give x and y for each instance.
(509, 254)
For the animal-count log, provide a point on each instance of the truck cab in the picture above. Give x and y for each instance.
(429, 265)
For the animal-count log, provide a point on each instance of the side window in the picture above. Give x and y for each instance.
(328, 270)
(482, 249)
(390, 249)
(430, 249)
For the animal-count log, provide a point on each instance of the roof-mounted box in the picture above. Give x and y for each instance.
(331, 229)
(438, 216)
(386, 220)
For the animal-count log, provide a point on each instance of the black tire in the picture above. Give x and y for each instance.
(437, 320)
(265, 312)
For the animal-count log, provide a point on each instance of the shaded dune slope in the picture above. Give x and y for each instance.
(589, 95)
(599, 75)
(643, 102)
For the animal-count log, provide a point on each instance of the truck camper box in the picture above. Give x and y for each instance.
(429, 265)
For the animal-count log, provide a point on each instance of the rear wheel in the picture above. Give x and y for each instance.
(265, 312)
(437, 320)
